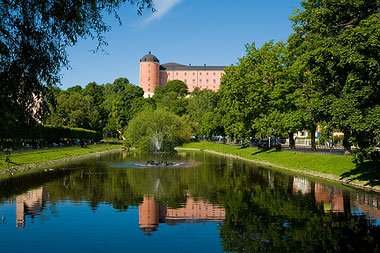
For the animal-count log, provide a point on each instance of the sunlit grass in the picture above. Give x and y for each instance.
(18, 159)
(321, 163)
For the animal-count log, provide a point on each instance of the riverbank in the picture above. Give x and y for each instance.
(19, 162)
(331, 167)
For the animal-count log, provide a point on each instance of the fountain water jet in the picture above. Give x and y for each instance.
(157, 141)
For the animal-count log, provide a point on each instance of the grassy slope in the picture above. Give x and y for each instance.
(48, 155)
(321, 163)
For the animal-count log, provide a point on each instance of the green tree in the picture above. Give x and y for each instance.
(172, 97)
(157, 130)
(203, 111)
(249, 98)
(34, 36)
(72, 109)
(122, 101)
(177, 86)
(237, 118)
(338, 45)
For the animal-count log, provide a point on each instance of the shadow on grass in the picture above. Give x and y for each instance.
(368, 171)
(264, 150)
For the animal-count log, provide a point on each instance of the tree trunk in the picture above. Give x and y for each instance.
(346, 143)
(292, 143)
(312, 133)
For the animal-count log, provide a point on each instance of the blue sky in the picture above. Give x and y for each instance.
(193, 32)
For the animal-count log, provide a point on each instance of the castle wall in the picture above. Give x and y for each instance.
(203, 79)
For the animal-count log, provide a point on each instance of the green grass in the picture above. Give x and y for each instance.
(307, 162)
(19, 159)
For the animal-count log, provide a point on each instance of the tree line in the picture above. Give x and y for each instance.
(326, 73)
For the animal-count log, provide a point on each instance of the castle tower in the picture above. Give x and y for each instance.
(149, 74)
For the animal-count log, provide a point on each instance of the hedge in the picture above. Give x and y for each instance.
(48, 134)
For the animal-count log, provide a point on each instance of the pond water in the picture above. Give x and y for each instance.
(198, 203)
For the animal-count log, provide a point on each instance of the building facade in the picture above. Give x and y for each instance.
(153, 75)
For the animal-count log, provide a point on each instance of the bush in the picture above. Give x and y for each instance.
(158, 130)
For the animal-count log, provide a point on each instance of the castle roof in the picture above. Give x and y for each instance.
(177, 66)
(149, 58)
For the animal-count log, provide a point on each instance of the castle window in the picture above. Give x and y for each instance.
(193, 81)
(206, 80)
(193, 73)
(214, 73)
(185, 80)
(200, 73)
(206, 73)
(214, 81)
(176, 73)
(161, 81)
(185, 73)
(200, 80)
(148, 89)
(168, 74)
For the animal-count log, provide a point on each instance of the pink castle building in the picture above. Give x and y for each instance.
(152, 75)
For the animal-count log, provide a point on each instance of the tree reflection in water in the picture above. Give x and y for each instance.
(258, 210)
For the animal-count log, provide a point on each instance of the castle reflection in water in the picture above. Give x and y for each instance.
(151, 213)
(333, 200)
(30, 203)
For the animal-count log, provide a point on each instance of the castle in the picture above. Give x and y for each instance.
(152, 75)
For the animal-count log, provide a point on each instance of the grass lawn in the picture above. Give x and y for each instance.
(46, 155)
(321, 163)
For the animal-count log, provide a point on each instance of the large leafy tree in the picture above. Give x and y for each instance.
(34, 36)
(106, 108)
(122, 102)
(203, 111)
(338, 43)
(77, 107)
(234, 104)
(157, 130)
(172, 97)
(254, 94)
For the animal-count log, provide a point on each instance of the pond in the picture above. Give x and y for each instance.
(196, 202)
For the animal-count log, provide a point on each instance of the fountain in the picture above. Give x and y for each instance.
(158, 156)
(157, 140)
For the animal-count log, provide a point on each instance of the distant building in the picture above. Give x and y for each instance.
(152, 75)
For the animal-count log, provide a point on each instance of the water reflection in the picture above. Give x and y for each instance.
(336, 200)
(30, 204)
(331, 198)
(244, 208)
(152, 212)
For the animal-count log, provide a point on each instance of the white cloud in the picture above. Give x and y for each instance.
(162, 8)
